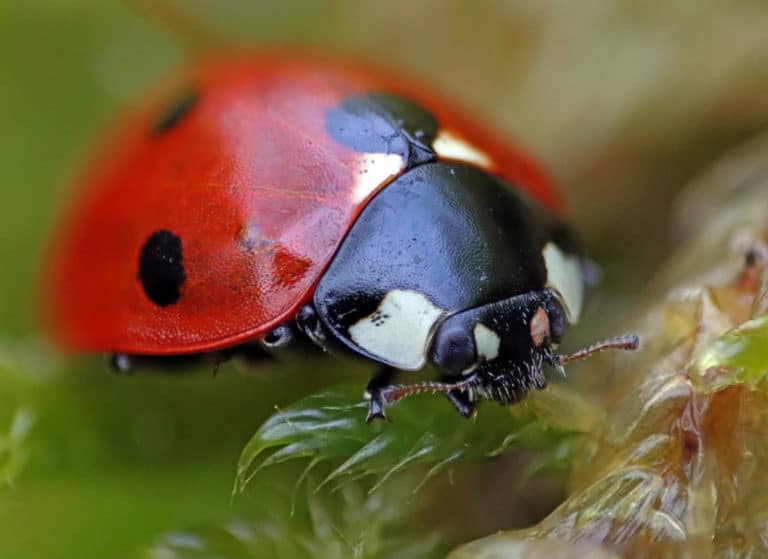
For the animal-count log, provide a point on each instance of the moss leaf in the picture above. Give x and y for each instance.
(350, 522)
(331, 427)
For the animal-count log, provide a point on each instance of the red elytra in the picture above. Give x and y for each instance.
(254, 186)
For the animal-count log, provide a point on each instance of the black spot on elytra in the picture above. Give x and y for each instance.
(161, 269)
(174, 112)
(384, 123)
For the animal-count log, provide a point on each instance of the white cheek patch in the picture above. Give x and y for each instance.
(487, 342)
(450, 146)
(399, 330)
(373, 171)
(564, 275)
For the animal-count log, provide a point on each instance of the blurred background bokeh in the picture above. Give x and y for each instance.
(622, 101)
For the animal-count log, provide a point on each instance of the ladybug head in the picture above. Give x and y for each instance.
(501, 347)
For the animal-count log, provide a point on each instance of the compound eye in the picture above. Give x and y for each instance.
(453, 350)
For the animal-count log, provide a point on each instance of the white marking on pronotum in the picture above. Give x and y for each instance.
(486, 341)
(373, 171)
(448, 145)
(399, 330)
(565, 277)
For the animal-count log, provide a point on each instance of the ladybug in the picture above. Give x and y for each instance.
(263, 202)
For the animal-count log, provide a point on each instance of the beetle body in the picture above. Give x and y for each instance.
(264, 198)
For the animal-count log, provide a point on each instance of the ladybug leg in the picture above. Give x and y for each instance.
(374, 392)
(251, 353)
(459, 392)
(121, 363)
(461, 400)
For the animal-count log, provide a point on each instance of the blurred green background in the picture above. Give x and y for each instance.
(622, 101)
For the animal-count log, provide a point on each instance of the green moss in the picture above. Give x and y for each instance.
(740, 356)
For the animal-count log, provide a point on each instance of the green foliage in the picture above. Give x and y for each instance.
(13, 445)
(330, 427)
(346, 523)
(351, 486)
(736, 357)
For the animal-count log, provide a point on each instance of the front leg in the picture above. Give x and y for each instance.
(383, 394)
(380, 381)
(461, 400)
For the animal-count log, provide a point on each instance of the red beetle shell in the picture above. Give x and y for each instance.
(253, 185)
